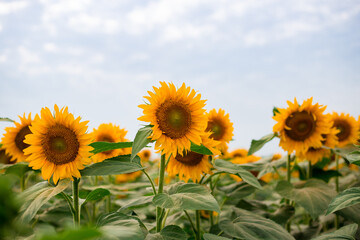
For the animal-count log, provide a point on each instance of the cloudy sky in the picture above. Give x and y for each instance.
(100, 57)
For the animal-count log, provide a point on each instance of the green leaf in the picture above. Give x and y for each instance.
(75, 234)
(354, 157)
(141, 140)
(112, 166)
(313, 195)
(232, 168)
(270, 165)
(2, 119)
(36, 196)
(96, 195)
(251, 226)
(107, 146)
(324, 175)
(137, 202)
(120, 226)
(188, 196)
(238, 190)
(282, 214)
(209, 236)
(200, 149)
(275, 111)
(170, 232)
(345, 233)
(18, 169)
(347, 198)
(256, 145)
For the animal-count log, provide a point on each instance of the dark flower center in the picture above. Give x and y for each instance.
(174, 119)
(20, 137)
(106, 138)
(217, 128)
(190, 158)
(301, 124)
(345, 129)
(60, 145)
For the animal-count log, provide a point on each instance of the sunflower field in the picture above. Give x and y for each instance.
(177, 179)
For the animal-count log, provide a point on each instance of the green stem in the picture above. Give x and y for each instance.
(337, 220)
(160, 190)
(309, 175)
(93, 212)
(288, 178)
(68, 200)
(211, 219)
(76, 201)
(165, 217)
(22, 183)
(198, 225)
(191, 222)
(108, 201)
(151, 181)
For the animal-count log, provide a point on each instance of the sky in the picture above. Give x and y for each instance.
(100, 58)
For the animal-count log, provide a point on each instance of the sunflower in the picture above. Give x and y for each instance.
(58, 144)
(127, 177)
(316, 154)
(145, 155)
(14, 137)
(191, 164)
(301, 127)
(4, 157)
(177, 116)
(276, 156)
(221, 127)
(239, 156)
(108, 132)
(348, 129)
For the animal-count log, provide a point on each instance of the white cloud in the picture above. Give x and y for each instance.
(27, 56)
(50, 47)
(3, 58)
(12, 6)
(91, 24)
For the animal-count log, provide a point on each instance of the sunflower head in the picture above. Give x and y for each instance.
(220, 126)
(108, 132)
(4, 157)
(127, 177)
(276, 156)
(145, 155)
(177, 116)
(58, 144)
(191, 165)
(301, 126)
(13, 140)
(348, 129)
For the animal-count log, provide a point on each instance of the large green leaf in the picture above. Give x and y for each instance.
(36, 196)
(137, 202)
(120, 226)
(170, 232)
(75, 234)
(141, 140)
(112, 166)
(345, 233)
(209, 236)
(232, 168)
(188, 196)
(256, 145)
(107, 146)
(313, 195)
(238, 190)
(18, 169)
(269, 166)
(200, 149)
(96, 195)
(251, 226)
(347, 198)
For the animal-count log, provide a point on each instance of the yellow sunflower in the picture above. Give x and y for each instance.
(316, 154)
(58, 144)
(221, 127)
(178, 118)
(301, 127)
(239, 156)
(127, 177)
(348, 129)
(4, 157)
(276, 156)
(14, 137)
(145, 155)
(108, 132)
(191, 164)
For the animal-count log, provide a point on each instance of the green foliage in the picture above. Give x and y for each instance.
(36, 196)
(96, 195)
(209, 236)
(200, 149)
(232, 168)
(18, 169)
(120, 226)
(141, 140)
(256, 145)
(313, 195)
(275, 111)
(4, 119)
(188, 196)
(107, 146)
(137, 202)
(75, 234)
(345, 233)
(238, 190)
(170, 232)
(347, 198)
(251, 226)
(116, 165)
